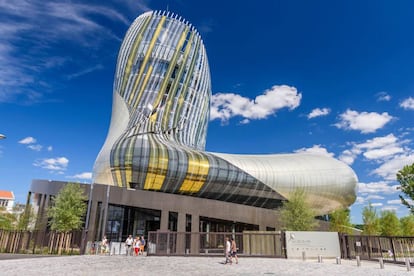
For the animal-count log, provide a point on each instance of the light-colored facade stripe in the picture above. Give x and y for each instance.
(178, 111)
(131, 58)
(133, 98)
(170, 69)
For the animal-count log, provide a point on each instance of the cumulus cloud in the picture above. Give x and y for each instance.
(49, 148)
(383, 97)
(389, 168)
(53, 164)
(84, 175)
(27, 141)
(316, 149)
(367, 199)
(227, 105)
(390, 208)
(317, 112)
(377, 204)
(371, 197)
(394, 201)
(30, 142)
(365, 122)
(377, 187)
(35, 147)
(381, 147)
(348, 156)
(388, 153)
(408, 103)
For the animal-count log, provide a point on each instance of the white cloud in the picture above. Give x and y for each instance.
(348, 157)
(244, 121)
(370, 197)
(53, 164)
(316, 149)
(42, 26)
(377, 204)
(408, 103)
(379, 142)
(389, 168)
(30, 142)
(383, 97)
(366, 122)
(84, 175)
(49, 148)
(376, 188)
(27, 140)
(390, 208)
(318, 112)
(394, 201)
(227, 105)
(383, 152)
(85, 71)
(360, 200)
(380, 149)
(35, 147)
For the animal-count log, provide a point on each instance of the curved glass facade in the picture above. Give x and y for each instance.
(160, 112)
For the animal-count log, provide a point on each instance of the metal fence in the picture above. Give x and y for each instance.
(389, 249)
(40, 242)
(249, 243)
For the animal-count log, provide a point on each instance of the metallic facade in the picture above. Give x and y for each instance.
(157, 135)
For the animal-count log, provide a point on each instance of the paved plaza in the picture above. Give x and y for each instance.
(122, 265)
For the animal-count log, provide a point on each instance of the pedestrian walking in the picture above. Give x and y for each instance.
(227, 251)
(128, 245)
(233, 251)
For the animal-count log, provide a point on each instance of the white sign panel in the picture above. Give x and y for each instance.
(313, 244)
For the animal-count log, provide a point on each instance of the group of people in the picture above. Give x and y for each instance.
(135, 246)
(231, 251)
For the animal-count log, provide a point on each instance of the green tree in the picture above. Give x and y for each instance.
(27, 218)
(68, 209)
(296, 214)
(406, 179)
(371, 221)
(7, 220)
(66, 215)
(390, 224)
(407, 225)
(340, 221)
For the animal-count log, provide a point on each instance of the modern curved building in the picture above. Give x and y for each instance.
(157, 135)
(153, 172)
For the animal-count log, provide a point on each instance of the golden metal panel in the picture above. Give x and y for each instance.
(157, 166)
(198, 167)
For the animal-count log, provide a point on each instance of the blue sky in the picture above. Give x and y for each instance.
(334, 77)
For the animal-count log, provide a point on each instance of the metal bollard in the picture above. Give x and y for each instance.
(338, 260)
(381, 262)
(319, 259)
(303, 256)
(358, 259)
(407, 264)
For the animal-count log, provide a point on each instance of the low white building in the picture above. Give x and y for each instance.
(7, 200)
